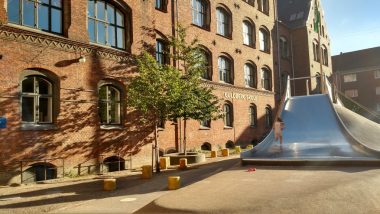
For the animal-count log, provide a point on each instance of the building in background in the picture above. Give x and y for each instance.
(65, 68)
(358, 77)
(304, 45)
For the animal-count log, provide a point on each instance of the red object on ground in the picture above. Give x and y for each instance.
(251, 170)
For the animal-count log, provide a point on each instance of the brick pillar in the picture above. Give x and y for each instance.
(75, 20)
(3, 12)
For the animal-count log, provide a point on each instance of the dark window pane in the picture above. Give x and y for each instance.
(100, 6)
(27, 109)
(13, 11)
(114, 112)
(43, 17)
(110, 14)
(120, 38)
(114, 94)
(111, 36)
(91, 8)
(28, 13)
(103, 112)
(91, 30)
(56, 20)
(119, 18)
(28, 85)
(101, 33)
(57, 3)
(43, 86)
(45, 110)
(103, 93)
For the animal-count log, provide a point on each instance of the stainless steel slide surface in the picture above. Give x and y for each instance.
(312, 132)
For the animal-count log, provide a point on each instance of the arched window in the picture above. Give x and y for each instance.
(223, 22)
(284, 47)
(264, 40)
(248, 33)
(200, 13)
(263, 6)
(266, 79)
(325, 56)
(36, 100)
(250, 75)
(316, 51)
(109, 105)
(45, 15)
(225, 69)
(207, 74)
(162, 52)
(228, 115)
(106, 24)
(252, 115)
(268, 117)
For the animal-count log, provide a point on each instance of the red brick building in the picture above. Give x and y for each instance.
(304, 45)
(358, 77)
(65, 67)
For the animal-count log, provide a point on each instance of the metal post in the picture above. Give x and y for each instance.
(22, 179)
(45, 169)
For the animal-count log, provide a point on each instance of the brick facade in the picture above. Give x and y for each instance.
(76, 134)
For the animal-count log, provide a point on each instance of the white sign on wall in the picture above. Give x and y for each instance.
(238, 96)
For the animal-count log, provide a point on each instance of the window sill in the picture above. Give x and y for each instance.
(111, 127)
(161, 10)
(108, 47)
(38, 127)
(249, 46)
(207, 28)
(252, 126)
(227, 37)
(250, 4)
(267, 52)
(204, 128)
(225, 83)
(36, 30)
(228, 127)
(264, 12)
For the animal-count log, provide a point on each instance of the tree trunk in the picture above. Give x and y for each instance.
(184, 135)
(157, 154)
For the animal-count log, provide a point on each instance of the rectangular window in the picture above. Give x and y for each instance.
(205, 123)
(349, 78)
(378, 90)
(351, 93)
(377, 74)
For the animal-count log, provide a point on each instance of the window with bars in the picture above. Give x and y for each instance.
(266, 79)
(264, 40)
(225, 69)
(106, 24)
(45, 15)
(228, 115)
(36, 100)
(250, 75)
(223, 22)
(252, 115)
(162, 56)
(109, 105)
(248, 33)
(199, 12)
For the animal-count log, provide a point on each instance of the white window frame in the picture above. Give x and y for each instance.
(352, 93)
(248, 33)
(350, 78)
(377, 74)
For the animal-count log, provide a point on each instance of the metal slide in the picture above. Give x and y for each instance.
(313, 133)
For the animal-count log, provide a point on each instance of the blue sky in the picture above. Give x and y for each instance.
(352, 24)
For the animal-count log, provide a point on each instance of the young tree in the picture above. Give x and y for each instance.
(196, 101)
(153, 91)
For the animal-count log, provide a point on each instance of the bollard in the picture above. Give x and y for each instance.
(250, 147)
(146, 171)
(214, 154)
(109, 184)
(173, 182)
(225, 152)
(237, 149)
(182, 163)
(164, 162)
